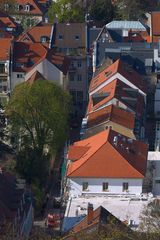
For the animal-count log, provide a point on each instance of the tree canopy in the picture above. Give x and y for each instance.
(7, 5)
(135, 9)
(66, 11)
(102, 10)
(38, 114)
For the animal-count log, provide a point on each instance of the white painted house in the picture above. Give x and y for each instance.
(107, 163)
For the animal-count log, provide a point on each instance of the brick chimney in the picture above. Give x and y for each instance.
(90, 213)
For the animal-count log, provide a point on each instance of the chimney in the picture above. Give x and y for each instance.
(90, 213)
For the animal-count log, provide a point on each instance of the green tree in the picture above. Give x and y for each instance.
(133, 10)
(102, 10)
(66, 11)
(150, 218)
(38, 114)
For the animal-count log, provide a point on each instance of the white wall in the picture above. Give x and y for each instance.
(15, 80)
(115, 186)
(117, 103)
(47, 69)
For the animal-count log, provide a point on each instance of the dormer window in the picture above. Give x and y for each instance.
(77, 37)
(6, 6)
(60, 37)
(17, 7)
(27, 7)
(43, 39)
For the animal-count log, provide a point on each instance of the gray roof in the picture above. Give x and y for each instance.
(126, 25)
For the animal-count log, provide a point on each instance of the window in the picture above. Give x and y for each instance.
(79, 77)
(73, 94)
(19, 65)
(79, 64)
(72, 63)
(125, 186)
(60, 37)
(77, 37)
(2, 68)
(6, 6)
(27, 8)
(79, 96)
(19, 75)
(71, 77)
(157, 181)
(84, 186)
(105, 186)
(43, 39)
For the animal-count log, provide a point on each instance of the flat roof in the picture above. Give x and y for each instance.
(124, 208)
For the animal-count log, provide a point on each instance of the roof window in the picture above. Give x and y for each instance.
(77, 37)
(60, 37)
(43, 39)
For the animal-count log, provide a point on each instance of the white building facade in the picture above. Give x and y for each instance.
(105, 186)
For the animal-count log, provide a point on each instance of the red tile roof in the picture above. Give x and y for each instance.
(30, 54)
(100, 216)
(118, 67)
(111, 113)
(155, 17)
(36, 8)
(5, 44)
(119, 90)
(6, 21)
(34, 34)
(110, 155)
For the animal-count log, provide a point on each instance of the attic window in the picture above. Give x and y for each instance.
(6, 6)
(60, 37)
(107, 74)
(43, 39)
(77, 37)
(27, 7)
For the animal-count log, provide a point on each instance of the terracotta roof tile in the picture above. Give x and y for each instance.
(28, 55)
(7, 21)
(155, 18)
(122, 92)
(34, 34)
(111, 113)
(100, 216)
(75, 152)
(121, 68)
(5, 44)
(110, 155)
(36, 8)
